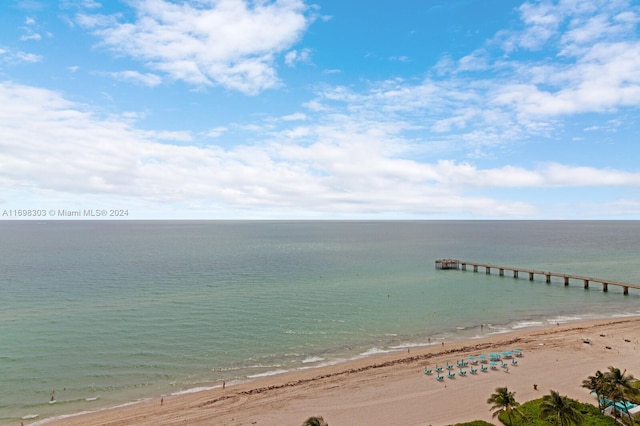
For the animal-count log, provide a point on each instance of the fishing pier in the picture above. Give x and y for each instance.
(462, 264)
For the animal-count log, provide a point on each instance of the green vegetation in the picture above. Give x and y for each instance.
(555, 409)
(561, 409)
(615, 386)
(315, 421)
(504, 402)
(531, 410)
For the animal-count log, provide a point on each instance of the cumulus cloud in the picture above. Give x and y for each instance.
(230, 43)
(381, 149)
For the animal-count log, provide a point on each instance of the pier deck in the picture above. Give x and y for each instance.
(462, 264)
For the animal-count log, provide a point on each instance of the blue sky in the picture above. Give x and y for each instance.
(292, 109)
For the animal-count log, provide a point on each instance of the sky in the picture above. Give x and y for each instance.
(320, 110)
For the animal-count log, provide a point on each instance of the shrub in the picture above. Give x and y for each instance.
(531, 410)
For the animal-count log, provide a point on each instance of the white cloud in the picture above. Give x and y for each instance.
(296, 116)
(17, 57)
(216, 132)
(607, 76)
(231, 43)
(345, 165)
(147, 79)
(293, 57)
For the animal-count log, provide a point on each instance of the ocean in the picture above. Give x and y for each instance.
(97, 314)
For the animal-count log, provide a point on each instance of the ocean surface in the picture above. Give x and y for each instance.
(101, 313)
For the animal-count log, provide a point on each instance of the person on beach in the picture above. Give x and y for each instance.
(535, 386)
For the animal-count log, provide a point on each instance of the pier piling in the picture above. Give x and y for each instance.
(455, 264)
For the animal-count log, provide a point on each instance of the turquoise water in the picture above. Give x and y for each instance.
(103, 313)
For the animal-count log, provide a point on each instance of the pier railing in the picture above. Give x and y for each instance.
(463, 264)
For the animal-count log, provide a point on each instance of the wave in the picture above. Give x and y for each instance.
(310, 359)
(195, 390)
(527, 324)
(267, 373)
(376, 351)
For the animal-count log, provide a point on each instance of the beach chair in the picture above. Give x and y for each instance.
(462, 373)
(483, 368)
(449, 367)
(514, 362)
(439, 378)
(427, 371)
(451, 374)
(503, 364)
(438, 369)
(473, 370)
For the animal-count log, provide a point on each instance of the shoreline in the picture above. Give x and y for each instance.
(390, 385)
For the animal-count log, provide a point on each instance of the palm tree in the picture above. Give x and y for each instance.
(504, 401)
(315, 421)
(598, 384)
(620, 386)
(562, 409)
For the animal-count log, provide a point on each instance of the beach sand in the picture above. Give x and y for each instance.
(393, 389)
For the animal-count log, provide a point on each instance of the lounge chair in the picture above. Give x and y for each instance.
(483, 368)
(473, 370)
(427, 371)
(451, 374)
(514, 362)
(439, 378)
(462, 373)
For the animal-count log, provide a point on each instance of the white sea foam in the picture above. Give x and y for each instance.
(312, 359)
(56, 418)
(195, 390)
(527, 324)
(268, 373)
(323, 364)
(377, 351)
(410, 345)
(564, 319)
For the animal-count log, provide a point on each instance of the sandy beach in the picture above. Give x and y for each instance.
(393, 389)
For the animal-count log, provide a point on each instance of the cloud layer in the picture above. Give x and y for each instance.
(426, 146)
(223, 42)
